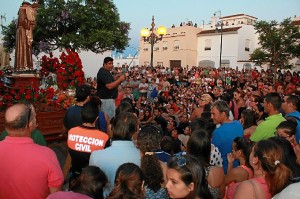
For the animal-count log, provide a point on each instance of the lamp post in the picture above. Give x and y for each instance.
(202, 23)
(220, 24)
(152, 37)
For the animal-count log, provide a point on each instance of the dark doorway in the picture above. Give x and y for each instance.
(175, 63)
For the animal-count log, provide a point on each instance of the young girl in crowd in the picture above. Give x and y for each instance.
(238, 103)
(287, 130)
(128, 94)
(290, 160)
(248, 121)
(186, 178)
(205, 122)
(241, 149)
(271, 175)
(153, 169)
(199, 146)
(88, 185)
(145, 117)
(129, 183)
(256, 106)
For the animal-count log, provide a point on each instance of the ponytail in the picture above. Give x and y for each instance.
(270, 156)
(278, 179)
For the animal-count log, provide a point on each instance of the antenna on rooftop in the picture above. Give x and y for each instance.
(1, 22)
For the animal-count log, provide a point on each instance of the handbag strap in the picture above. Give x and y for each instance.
(254, 187)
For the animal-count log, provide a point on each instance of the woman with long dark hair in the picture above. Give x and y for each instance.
(241, 149)
(199, 145)
(129, 183)
(88, 185)
(186, 178)
(271, 175)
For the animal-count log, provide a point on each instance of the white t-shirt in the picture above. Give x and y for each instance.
(290, 192)
(143, 85)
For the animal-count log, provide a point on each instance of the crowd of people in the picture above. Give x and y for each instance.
(164, 133)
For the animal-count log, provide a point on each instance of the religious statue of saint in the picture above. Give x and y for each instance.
(24, 36)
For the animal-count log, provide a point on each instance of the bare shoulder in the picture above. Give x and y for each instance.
(216, 176)
(245, 190)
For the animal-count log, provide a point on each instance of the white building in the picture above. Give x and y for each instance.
(129, 60)
(238, 42)
(296, 61)
(177, 48)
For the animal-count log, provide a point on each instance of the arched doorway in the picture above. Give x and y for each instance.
(247, 66)
(206, 63)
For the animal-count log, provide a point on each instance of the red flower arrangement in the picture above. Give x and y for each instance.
(49, 64)
(39, 97)
(69, 74)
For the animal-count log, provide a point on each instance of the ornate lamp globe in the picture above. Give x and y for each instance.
(162, 30)
(145, 32)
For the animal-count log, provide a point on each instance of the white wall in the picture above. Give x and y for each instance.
(229, 48)
(246, 32)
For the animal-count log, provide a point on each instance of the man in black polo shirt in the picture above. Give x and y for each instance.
(107, 86)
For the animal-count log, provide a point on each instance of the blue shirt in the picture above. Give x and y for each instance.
(162, 156)
(111, 158)
(223, 138)
(73, 117)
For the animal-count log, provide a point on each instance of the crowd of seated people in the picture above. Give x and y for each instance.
(185, 133)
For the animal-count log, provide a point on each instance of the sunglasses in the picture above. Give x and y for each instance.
(29, 115)
(180, 160)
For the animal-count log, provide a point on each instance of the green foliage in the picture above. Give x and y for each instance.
(76, 24)
(259, 56)
(279, 42)
(9, 38)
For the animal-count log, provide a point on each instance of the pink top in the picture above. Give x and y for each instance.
(233, 185)
(236, 110)
(68, 194)
(27, 169)
(264, 186)
(119, 98)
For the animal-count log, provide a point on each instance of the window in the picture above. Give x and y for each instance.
(160, 63)
(165, 45)
(247, 45)
(207, 44)
(156, 47)
(145, 49)
(176, 44)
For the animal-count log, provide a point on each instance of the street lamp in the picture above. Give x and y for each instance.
(152, 38)
(220, 25)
